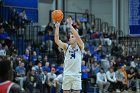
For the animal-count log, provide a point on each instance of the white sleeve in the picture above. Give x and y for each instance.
(57, 78)
(48, 76)
(105, 77)
(108, 76)
(98, 78)
(114, 77)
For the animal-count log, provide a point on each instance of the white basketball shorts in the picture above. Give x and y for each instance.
(71, 82)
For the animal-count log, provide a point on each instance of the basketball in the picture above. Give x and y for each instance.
(57, 15)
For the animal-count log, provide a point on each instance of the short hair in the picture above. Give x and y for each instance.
(5, 67)
(70, 16)
(111, 68)
(102, 69)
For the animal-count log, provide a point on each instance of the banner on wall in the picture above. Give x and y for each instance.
(22, 3)
(134, 17)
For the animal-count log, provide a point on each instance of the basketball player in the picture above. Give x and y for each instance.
(6, 86)
(73, 59)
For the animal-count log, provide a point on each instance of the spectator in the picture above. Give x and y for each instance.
(24, 19)
(2, 51)
(46, 67)
(49, 37)
(131, 78)
(105, 64)
(138, 80)
(126, 82)
(114, 50)
(41, 77)
(31, 78)
(14, 17)
(102, 81)
(79, 27)
(121, 84)
(113, 35)
(95, 67)
(26, 55)
(112, 79)
(59, 69)
(58, 83)
(133, 64)
(85, 71)
(29, 66)
(21, 74)
(51, 77)
(3, 34)
(49, 27)
(45, 60)
(34, 57)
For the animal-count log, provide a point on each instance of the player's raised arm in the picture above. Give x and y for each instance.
(56, 37)
(75, 33)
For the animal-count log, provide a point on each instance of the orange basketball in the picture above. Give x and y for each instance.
(57, 15)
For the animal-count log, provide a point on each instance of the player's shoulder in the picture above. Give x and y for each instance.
(15, 89)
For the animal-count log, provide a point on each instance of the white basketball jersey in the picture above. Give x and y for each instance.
(72, 61)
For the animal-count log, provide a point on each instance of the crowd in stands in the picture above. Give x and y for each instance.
(106, 64)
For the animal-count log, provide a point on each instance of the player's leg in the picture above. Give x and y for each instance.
(76, 84)
(66, 85)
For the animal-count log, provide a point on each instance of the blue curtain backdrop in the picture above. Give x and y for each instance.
(22, 3)
(31, 7)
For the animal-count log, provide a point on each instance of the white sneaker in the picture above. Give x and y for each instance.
(125, 91)
(138, 90)
(118, 91)
(22, 89)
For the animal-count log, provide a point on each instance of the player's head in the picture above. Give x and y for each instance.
(5, 67)
(72, 39)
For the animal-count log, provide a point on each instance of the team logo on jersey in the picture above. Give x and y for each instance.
(72, 52)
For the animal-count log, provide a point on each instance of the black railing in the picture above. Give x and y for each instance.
(76, 15)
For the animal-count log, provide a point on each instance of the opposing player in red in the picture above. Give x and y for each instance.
(7, 86)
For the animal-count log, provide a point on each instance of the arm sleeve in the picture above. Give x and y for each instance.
(98, 78)
(105, 77)
(114, 77)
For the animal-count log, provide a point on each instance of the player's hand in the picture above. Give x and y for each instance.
(69, 21)
(57, 25)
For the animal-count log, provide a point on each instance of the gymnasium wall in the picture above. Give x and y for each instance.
(43, 13)
(101, 8)
(107, 10)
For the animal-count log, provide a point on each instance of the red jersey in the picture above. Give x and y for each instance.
(5, 86)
